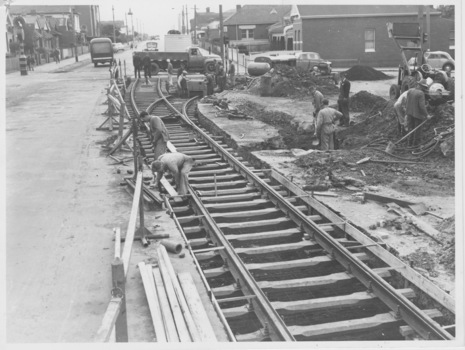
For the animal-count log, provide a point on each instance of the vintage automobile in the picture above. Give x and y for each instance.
(118, 47)
(313, 61)
(436, 59)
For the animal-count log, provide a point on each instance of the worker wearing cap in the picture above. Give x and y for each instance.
(399, 107)
(232, 73)
(136, 61)
(179, 165)
(325, 126)
(416, 111)
(343, 101)
(169, 70)
(158, 131)
(209, 81)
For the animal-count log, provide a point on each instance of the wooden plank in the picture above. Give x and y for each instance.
(386, 199)
(345, 327)
(342, 301)
(219, 178)
(253, 213)
(315, 282)
(168, 320)
(161, 251)
(234, 205)
(181, 326)
(234, 191)
(220, 184)
(154, 306)
(299, 263)
(216, 272)
(263, 223)
(276, 248)
(196, 307)
(264, 235)
(109, 319)
(117, 231)
(257, 337)
(407, 272)
(126, 256)
(245, 196)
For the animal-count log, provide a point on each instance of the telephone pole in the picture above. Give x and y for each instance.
(187, 22)
(183, 31)
(195, 24)
(221, 34)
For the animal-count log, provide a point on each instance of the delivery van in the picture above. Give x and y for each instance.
(101, 51)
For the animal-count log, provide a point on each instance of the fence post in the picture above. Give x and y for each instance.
(121, 120)
(119, 289)
(134, 137)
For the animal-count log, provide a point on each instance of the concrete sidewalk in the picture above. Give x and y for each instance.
(52, 66)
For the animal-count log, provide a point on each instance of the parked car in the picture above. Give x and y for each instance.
(118, 47)
(436, 59)
(313, 61)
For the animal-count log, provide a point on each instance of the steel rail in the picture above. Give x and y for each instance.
(263, 308)
(424, 325)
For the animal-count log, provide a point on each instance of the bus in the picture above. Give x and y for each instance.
(101, 51)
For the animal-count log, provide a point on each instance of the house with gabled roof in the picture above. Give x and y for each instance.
(250, 23)
(357, 34)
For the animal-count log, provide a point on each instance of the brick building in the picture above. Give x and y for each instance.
(250, 23)
(358, 34)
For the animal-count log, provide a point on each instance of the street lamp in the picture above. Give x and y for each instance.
(132, 24)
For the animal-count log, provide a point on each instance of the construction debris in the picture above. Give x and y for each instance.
(365, 73)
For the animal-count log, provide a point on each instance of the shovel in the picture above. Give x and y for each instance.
(392, 145)
(315, 139)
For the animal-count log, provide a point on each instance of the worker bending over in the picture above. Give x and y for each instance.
(325, 127)
(399, 107)
(158, 131)
(179, 165)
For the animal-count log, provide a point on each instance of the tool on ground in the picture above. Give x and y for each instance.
(368, 159)
(315, 139)
(392, 145)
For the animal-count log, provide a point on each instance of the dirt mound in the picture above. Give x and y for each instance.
(365, 73)
(447, 254)
(363, 101)
(291, 82)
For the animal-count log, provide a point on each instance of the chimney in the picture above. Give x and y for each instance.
(208, 10)
(238, 8)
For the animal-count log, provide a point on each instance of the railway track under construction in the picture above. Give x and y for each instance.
(278, 264)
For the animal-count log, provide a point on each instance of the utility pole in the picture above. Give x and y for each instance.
(183, 25)
(221, 34)
(428, 27)
(114, 36)
(195, 24)
(126, 18)
(132, 22)
(187, 22)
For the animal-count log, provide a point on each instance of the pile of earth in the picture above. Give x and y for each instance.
(363, 101)
(292, 82)
(365, 73)
(423, 261)
(380, 122)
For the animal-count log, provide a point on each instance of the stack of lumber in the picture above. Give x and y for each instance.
(177, 311)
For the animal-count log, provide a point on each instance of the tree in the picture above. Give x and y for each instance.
(448, 11)
(107, 31)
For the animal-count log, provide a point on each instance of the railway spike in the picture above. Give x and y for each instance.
(266, 330)
(250, 306)
(349, 268)
(370, 287)
(397, 314)
(238, 284)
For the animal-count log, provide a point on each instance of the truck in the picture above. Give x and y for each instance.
(101, 51)
(177, 42)
(192, 58)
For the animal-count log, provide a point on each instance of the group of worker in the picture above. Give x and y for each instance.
(144, 64)
(326, 117)
(178, 164)
(410, 108)
(411, 111)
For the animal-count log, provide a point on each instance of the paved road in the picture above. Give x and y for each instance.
(62, 202)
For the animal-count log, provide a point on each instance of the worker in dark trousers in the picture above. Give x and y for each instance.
(169, 70)
(28, 62)
(182, 85)
(232, 74)
(209, 80)
(416, 111)
(343, 101)
(217, 70)
(136, 61)
(147, 69)
(158, 131)
(221, 78)
(179, 165)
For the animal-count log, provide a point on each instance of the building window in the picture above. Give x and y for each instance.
(247, 33)
(452, 40)
(369, 40)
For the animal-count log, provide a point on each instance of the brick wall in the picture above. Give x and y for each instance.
(342, 39)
